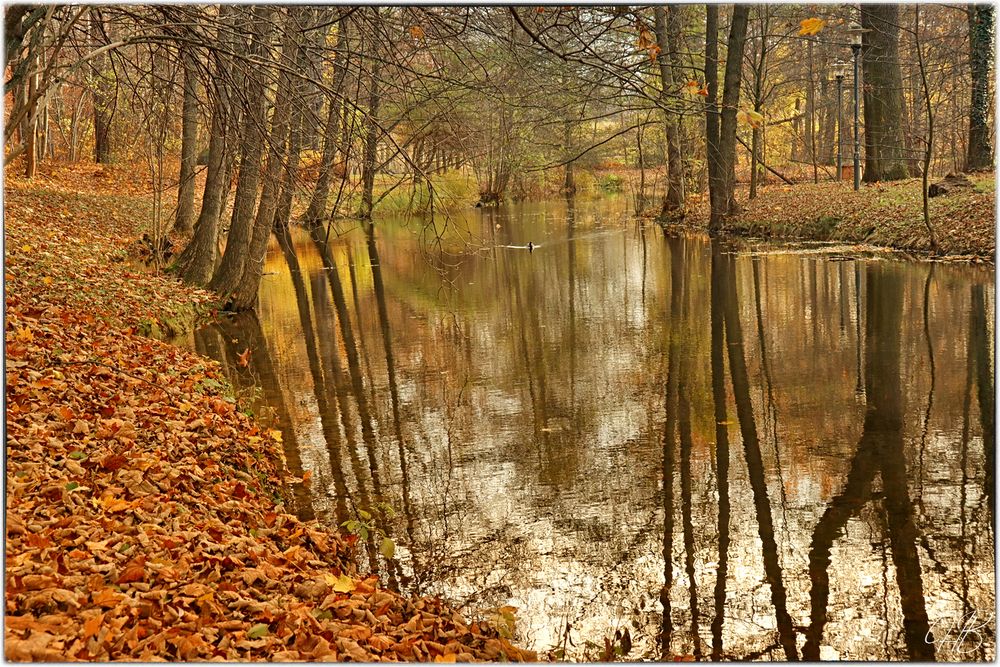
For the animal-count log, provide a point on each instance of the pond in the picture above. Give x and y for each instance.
(624, 442)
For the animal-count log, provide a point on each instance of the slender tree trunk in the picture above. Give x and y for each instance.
(244, 294)
(229, 271)
(101, 93)
(184, 218)
(885, 159)
(197, 261)
(929, 150)
(724, 204)
(667, 25)
(716, 177)
(980, 150)
(331, 139)
(30, 129)
(371, 139)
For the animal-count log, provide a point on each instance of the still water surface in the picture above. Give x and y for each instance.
(730, 451)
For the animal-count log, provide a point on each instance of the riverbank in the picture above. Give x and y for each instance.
(145, 513)
(889, 215)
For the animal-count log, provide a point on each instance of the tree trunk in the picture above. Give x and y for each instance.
(197, 261)
(371, 140)
(101, 93)
(244, 294)
(229, 271)
(184, 218)
(885, 158)
(331, 140)
(724, 204)
(30, 128)
(980, 152)
(715, 175)
(667, 24)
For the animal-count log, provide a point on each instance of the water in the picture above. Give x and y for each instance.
(823, 427)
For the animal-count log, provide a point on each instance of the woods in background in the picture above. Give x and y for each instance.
(302, 114)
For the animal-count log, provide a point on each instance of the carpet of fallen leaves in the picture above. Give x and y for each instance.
(882, 214)
(144, 513)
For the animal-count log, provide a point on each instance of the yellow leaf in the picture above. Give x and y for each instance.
(446, 657)
(751, 118)
(47, 280)
(26, 248)
(344, 584)
(275, 434)
(691, 87)
(811, 26)
(24, 335)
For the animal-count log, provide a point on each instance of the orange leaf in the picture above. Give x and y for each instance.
(134, 571)
(244, 358)
(92, 626)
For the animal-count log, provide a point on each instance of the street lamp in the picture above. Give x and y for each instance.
(854, 31)
(839, 72)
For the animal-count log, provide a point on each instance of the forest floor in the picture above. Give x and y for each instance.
(884, 214)
(144, 510)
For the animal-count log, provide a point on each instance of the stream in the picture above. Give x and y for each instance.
(723, 450)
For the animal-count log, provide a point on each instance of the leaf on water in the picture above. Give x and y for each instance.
(258, 631)
(388, 547)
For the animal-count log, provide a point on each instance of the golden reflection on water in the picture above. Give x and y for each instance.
(791, 453)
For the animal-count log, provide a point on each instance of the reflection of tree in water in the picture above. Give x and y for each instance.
(237, 335)
(551, 504)
(880, 450)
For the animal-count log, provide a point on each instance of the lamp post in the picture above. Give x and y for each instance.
(839, 71)
(855, 30)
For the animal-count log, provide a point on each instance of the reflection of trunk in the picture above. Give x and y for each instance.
(184, 218)
(980, 352)
(340, 402)
(684, 430)
(721, 445)
(390, 363)
(243, 333)
(884, 421)
(331, 430)
(755, 464)
(669, 425)
(354, 371)
(881, 446)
